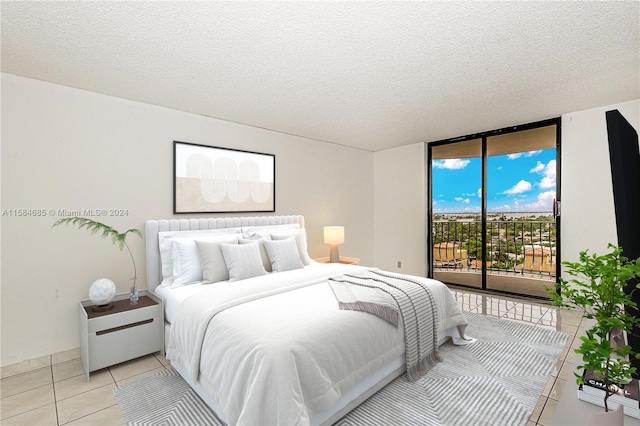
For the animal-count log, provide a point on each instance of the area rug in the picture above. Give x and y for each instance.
(495, 381)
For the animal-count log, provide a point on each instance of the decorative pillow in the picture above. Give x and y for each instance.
(283, 254)
(187, 268)
(242, 260)
(301, 241)
(165, 244)
(185, 265)
(212, 261)
(263, 253)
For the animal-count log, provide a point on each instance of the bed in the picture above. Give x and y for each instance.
(271, 346)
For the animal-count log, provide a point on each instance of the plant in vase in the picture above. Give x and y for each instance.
(598, 289)
(119, 238)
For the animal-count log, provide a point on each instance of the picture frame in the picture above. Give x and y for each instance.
(211, 179)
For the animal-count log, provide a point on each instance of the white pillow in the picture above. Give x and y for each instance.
(254, 232)
(212, 261)
(301, 241)
(165, 245)
(263, 253)
(283, 254)
(187, 268)
(242, 260)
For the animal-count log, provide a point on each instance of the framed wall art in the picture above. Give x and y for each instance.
(208, 179)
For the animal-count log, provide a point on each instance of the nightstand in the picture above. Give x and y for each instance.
(120, 334)
(343, 260)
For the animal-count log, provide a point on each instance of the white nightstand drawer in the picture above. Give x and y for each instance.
(107, 322)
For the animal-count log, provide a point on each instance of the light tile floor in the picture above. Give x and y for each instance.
(60, 395)
(540, 314)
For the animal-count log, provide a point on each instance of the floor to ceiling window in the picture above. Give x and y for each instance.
(492, 209)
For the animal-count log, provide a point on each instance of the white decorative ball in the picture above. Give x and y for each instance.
(102, 291)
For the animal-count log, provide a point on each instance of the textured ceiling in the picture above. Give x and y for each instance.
(371, 75)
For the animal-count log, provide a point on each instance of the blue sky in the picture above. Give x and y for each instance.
(523, 182)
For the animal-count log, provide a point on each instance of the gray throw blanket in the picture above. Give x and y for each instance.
(393, 297)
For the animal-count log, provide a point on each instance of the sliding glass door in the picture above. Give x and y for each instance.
(492, 201)
(456, 205)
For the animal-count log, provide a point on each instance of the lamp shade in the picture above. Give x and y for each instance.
(333, 235)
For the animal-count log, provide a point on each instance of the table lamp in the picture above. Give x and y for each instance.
(334, 235)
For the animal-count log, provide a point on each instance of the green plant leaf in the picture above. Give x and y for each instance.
(117, 238)
(599, 288)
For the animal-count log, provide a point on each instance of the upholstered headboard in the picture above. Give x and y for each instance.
(153, 227)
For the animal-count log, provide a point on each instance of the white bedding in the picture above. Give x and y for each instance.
(276, 349)
(174, 296)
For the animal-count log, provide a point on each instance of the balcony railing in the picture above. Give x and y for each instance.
(512, 246)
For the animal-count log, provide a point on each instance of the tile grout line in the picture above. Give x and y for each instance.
(55, 399)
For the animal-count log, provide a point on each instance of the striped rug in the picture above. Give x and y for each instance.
(495, 381)
(163, 399)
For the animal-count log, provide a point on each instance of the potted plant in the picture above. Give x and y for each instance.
(119, 238)
(598, 289)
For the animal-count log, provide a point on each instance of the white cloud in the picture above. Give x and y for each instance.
(451, 164)
(518, 188)
(549, 179)
(464, 200)
(548, 182)
(548, 172)
(479, 193)
(520, 154)
(544, 203)
(538, 168)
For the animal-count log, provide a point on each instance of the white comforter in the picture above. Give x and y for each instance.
(275, 350)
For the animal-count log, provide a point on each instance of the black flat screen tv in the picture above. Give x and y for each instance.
(624, 156)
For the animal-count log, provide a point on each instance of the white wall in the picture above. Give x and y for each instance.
(588, 215)
(400, 209)
(64, 148)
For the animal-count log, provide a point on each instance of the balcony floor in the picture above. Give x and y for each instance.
(524, 284)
